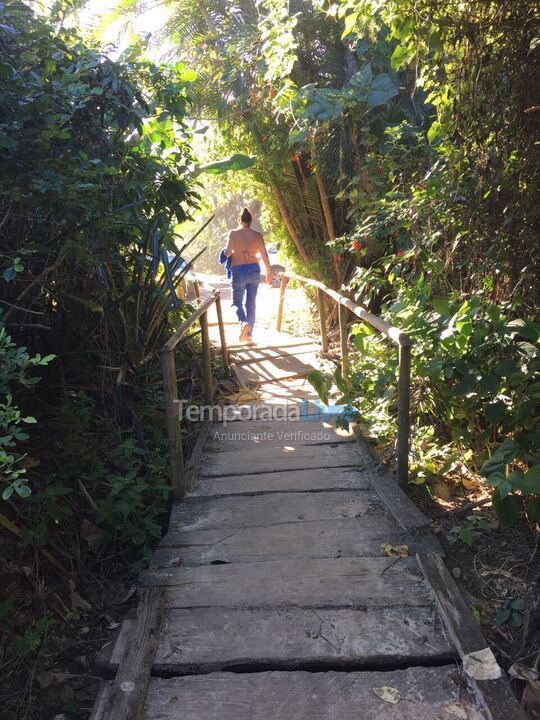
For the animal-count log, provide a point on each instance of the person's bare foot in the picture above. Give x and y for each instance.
(245, 333)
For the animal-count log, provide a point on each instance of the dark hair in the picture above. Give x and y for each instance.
(245, 217)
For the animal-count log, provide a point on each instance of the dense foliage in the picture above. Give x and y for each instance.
(94, 176)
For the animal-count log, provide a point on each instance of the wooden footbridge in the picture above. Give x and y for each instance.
(297, 581)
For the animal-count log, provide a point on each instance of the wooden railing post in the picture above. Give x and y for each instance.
(174, 433)
(343, 339)
(404, 422)
(282, 288)
(223, 341)
(207, 359)
(321, 304)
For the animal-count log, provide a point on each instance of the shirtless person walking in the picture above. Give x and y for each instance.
(245, 247)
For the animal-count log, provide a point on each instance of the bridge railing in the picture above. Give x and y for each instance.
(399, 338)
(170, 384)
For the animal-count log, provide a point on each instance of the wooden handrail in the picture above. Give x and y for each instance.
(395, 334)
(170, 385)
(401, 339)
(175, 338)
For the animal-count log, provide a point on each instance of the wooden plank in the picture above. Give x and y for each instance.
(253, 354)
(399, 504)
(303, 457)
(263, 338)
(287, 481)
(386, 486)
(272, 433)
(495, 696)
(193, 465)
(352, 537)
(201, 640)
(428, 693)
(124, 698)
(273, 508)
(277, 368)
(336, 582)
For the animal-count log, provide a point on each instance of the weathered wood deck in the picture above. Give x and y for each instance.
(279, 598)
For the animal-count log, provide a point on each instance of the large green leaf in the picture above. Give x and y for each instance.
(506, 508)
(529, 482)
(382, 89)
(504, 454)
(233, 164)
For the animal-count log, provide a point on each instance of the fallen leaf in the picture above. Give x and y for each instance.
(523, 673)
(481, 665)
(395, 550)
(388, 694)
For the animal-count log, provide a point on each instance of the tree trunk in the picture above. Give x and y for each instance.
(288, 222)
(329, 220)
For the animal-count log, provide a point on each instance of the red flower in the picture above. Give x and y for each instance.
(450, 382)
(400, 253)
(296, 157)
(309, 166)
(264, 138)
(356, 246)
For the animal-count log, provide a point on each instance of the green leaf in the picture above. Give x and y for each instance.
(507, 509)
(489, 384)
(528, 483)
(516, 619)
(23, 491)
(465, 385)
(434, 131)
(502, 616)
(504, 454)
(441, 305)
(349, 24)
(382, 89)
(8, 492)
(504, 488)
(402, 55)
(506, 368)
(495, 412)
(533, 510)
(234, 163)
(317, 381)
(465, 535)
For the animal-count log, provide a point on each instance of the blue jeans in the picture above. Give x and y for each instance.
(245, 284)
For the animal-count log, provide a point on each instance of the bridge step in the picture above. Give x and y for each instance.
(204, 640)
(335, 582)
(263, 459)
(284, 481)
(424, 694)
(354, 537)
(273, 508)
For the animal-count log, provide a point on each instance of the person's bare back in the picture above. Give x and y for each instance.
(247, 246)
